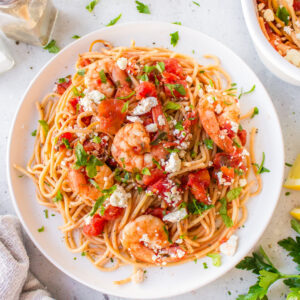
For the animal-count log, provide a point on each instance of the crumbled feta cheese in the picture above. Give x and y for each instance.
(122, 63)
(245, 152)
(119, 197)
(293, 56)
(209, 88)
(173, 164)
(179, 241)
(200, 93)
(175, 216)
(218, 108)
(269, 15)
(134, 119)
(228, 248)
(95, 96)
(88, 219)
(145, 238)
(151, 127)
(187, 108)
(210, 163)
(90, 99)
(180, 253)
(234, 126)
(138, 276)
(260, 6)
(297, 36)
(210, 99)
(189, 79)
(161, 121)
(221, 180)
(144, 106)
(242, 182)
(287, 29)
(222, 137)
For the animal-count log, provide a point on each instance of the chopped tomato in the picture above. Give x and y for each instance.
(67, 135)
(124, 92)
(110, 115)
(73, 102)
(223, 159)
(199, 182)
(296, 5)
(95, 227)
(146, 89)
(172, 66)
(169, 78)
(159, 152)
(228, 173)
(191, 119)
(230, 133)
(159, 118)
(242, 134)
(156, 212)
(84, 62)
(86, 120)
(61, 87)
(112, 212)
(156, 174)
(96, 149)
(173, 252)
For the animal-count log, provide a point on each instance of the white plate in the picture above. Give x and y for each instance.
(166, 281)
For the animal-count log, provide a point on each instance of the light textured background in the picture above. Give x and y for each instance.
(221, 19)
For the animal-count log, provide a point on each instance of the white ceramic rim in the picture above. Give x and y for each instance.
(260, 41)
(238, 256)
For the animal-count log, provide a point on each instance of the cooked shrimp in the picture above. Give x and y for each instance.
(146, 240)
(220, 113)
(131, 147)
(82, 187)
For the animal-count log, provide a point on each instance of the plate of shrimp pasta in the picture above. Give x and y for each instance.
(145, 169)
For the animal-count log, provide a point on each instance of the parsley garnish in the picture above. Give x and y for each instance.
(223, 212)
(236, 143)
(172, 105)
(209, 144)
(46, 213)
(83, 253)
(261, 168)
(41, 229)
(283, 14)
(216, 259)
(102, 76)
(205, 265)
(115, 20)
(75, 91)
(160, 66)
(248, 92)
(144, 77)
(196, 3)
(173, 150)
(142, 8)
(81, 72)
(66, 143)
(94, 183)
(255, 112)
(174, 38)
(58, 196)
(179, 126)
(45, 126)
(233, 194)
(96, 139)
(146, 171)
(177, 87)
(162, 136)
(75, 37)
(168, 235)
(33, 133)
(61, 80)
(156, 163)
(288, 165)
(125, 107)
(197, 208)
(126, 97)
(52, 47)
(177, 23)
(90, 7)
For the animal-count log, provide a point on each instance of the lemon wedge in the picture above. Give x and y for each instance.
(296, 213)
(293, 180)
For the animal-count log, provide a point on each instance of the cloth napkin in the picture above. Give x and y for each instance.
(16, 281)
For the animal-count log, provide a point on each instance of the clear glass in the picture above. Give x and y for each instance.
(29, 21)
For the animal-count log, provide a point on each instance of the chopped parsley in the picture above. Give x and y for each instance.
(196, 3)
(288, 165)
(260, 168)
(146, 171)
(173, 150)
(174, 38)
(233, 194)
(161, 136)
(283, 14)
(96, 139)
(223, 212)
(83, 254)
(160, 66)
(172, 105)
(61, 80)
(45, 126)
(75, 91)
(197, 208)
(156, 163)
(177, 23)
(205, 265)
(167, 233)
(75, 37)
(126, 97)
(58, 196)
(236, 143)
(142, 8)
(102, 76)
(179, 126)
(52, 47)
(33, 133)
(125, 107)
(41, 229)
(216, 259)
(115, 20)
(90, 7)
(94, 183)
(209, 144)
(81, 72)
(66, 143)
(287, 193)
(177, 87)
(248, 92)
(144, 77)
(46, 213)
(255, 112)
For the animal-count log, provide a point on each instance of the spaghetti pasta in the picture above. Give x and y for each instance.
(142, 153)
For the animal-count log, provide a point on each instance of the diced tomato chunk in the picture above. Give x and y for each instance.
(159, 152)
(169, 78)
(95, 227)
(156, 212)
(172, 66)
(84, 62)
(242, 134)
(112, 212)
(296, 5)
(123, 91)
(199, 182)
(61, 87)
(146, 89)
(227, 160)
(67, 135)
(159, 118)
(191, 119)
(73, 102)
(156, 174)
(110, 115)
(228, 173)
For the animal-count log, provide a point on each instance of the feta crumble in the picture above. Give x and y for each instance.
(200, 93)
(242, 182)
(287, 30)
(176, 215)
(234, 126)
(119, 197)
(151, 127)
(269, 15)
(228, 248)
(189, 79)
(180, 253)
(134, 119)
(122, 63)
(161, 121)
(144, 106)
(218, 109)
(90, 99)
(173, 164)
(88, 219)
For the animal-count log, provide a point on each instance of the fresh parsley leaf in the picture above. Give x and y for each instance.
(126, 97)
(167, 233)
(41, 229)
(156, 163)
(209, 144)
(52, 47)
(223, 212)
(61, 80)
(45, 126)
(125, 107)
(255, 112)
(236, 143)
(94, 183)
(295, 225)
(115, 20)
(90, 7)
(260, 168)
(197, 208)
(205, 265)
(66, 143)
(216, 259)
(292, 246)
(238, 172)
(91, 166)
(161, 136)
(75, 37)
(174, 38)
(81, 72)
(248, 92)
(102, 76)
(283, 14)
(179, 126)
(146, 171)
(33, 133)
(98, 203)
(177, 87)
(81, 156)
(144, 77)
(173, 150)
(160, 66)
(46, 213)
(58, 196)
(172, 105)
(148, 68)
(288, 165)
(142, 8)
(75, 91)
(233, 194)
(177, 23)
(196, 3)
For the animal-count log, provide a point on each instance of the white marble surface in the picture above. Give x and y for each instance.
(220, 19)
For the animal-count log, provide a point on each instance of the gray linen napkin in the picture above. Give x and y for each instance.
(16, 282)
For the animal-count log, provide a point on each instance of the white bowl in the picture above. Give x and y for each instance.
(160, 282)
(278, 65)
